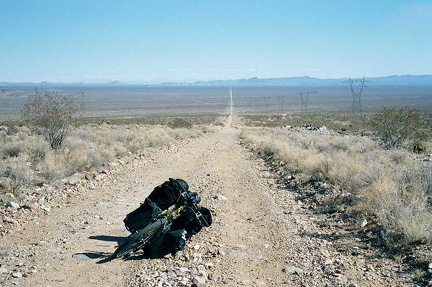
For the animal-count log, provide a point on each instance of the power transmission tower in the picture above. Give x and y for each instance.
(356, 104)
(266, 103)
(305, 100)
(281, 102)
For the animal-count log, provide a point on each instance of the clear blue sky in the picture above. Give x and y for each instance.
(93, 41)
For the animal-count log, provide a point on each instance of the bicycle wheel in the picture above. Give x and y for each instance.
(140, 238)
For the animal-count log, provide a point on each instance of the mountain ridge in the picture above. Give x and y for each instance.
(393, 80)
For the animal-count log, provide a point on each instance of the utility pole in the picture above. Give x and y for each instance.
(231, 101)
(356, 95)
(281, 102)
(305, 99)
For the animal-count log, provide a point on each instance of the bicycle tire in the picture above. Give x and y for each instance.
(140, 238)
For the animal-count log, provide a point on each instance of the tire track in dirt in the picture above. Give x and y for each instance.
(91, 223)
(251, 242)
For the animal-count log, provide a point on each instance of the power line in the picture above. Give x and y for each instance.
(356, 95)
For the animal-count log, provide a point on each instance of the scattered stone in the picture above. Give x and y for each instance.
(30, 205)
(3, 270)
(47, 208)
(73, 182)
(13, 205)
(81, 257)
(7, 219)
(17, 275)
(220, 197)
(198, 280)
(292, 270)
(362, 222)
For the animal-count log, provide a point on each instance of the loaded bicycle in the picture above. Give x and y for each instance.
(158, 229)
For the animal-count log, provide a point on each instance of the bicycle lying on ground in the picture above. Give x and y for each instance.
(186, 205)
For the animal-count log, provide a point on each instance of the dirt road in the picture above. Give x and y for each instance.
(260, 236)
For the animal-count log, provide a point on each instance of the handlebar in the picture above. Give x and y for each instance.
(191, 199)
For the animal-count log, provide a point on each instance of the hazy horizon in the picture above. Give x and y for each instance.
(193, 81)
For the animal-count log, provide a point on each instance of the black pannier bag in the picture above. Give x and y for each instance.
(141, 216)
(161, 198)
(169, 243)
(168, 193)
(191, 223)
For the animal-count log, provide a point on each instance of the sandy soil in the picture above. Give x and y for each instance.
(261, 235)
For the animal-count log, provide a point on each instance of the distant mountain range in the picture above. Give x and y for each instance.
(404, 80)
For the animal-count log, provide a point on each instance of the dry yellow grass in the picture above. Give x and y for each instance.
(393, 185)
(25, 157)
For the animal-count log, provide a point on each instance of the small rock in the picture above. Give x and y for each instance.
(9, 220)
(362, 222)
(198, 280)
(3, 270)
(13, 205)
(47, 208)
(73, 182)
(220, 197)
(81, 257)
(30, 205)
(105, 171)
(292, 270)
(17, 275)
(183, 270)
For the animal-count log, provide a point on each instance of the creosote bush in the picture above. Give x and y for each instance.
(52, 115)
(400, 128)
(179, 123)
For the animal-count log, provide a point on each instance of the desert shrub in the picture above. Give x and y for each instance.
(179, 123)
(52, 167)
(390, 184)
(339, 144)
(12, 149)
(268, 149)
(399, 156)
(399, 128)
(61, 164)
(90, 146)
(52, 115)
(80, 154)
(17, 175)
(124, 136)
(37, 150)
(3, 135)
(401, 204)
